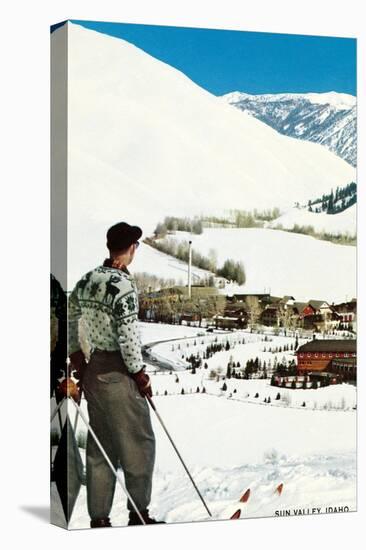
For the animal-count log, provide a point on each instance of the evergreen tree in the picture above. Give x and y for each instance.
(330, 209)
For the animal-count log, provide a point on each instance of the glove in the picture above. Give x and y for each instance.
(77, 365)
(68, 388)
(143, 383)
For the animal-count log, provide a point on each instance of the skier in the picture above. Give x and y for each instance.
(105, 300)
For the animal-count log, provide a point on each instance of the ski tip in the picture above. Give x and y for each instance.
(245, 496)
(236, 515)
(279, 489)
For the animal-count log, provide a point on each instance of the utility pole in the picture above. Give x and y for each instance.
(189, 270)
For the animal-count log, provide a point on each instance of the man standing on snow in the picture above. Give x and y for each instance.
(114, 380)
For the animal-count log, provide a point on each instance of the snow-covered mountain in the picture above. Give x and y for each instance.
(145, 142)
(326, 118)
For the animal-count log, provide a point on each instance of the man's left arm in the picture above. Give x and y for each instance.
(126, 317)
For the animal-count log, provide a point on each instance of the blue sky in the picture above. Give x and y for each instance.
(251, 62)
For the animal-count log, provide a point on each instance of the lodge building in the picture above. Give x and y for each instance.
(333, 357)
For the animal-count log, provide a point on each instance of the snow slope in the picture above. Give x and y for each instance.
(344, 222)
(283, 263)
(150, 260)
(144, 141)
(230, 444)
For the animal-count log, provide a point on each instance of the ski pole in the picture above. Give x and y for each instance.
(60, 419)
(77, 414)
(124, 489)
(57, 409)
(152, 404)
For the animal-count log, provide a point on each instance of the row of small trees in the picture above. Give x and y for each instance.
(243, 218)
(231, 269)
(338, 238)
(178, 224)
(146, 282)
(183, 391)
(280, 349)
(172, 307)
(284, 383)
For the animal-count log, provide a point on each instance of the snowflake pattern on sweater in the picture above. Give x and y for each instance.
(106, 300)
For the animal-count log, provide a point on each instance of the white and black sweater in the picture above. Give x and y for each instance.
(107, 301)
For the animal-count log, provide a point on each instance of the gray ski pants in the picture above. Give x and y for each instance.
(121, 420)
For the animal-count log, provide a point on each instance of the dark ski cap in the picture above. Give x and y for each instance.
(121, 235)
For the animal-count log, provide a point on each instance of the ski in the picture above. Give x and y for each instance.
(245, 497)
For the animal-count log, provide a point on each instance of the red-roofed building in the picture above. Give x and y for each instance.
(336, 357)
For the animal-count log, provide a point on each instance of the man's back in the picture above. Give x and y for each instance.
(106, 300)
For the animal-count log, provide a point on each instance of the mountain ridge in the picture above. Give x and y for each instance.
(328, 118)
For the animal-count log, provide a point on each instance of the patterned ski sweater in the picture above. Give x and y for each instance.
(106, 300)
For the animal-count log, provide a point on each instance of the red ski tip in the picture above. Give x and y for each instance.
(279, 489)
(246, 496)
(236, 515)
